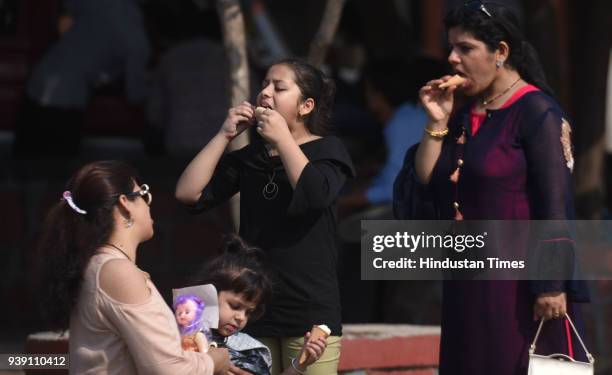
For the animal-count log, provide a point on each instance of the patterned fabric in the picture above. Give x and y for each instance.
(188, 343)
(246, 352)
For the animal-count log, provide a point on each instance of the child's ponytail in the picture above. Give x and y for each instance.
(235, 245)
(239, 269)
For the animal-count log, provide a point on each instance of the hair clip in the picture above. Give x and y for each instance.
(67, 196)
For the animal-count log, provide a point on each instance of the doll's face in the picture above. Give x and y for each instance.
(234, 312)
(186, 312)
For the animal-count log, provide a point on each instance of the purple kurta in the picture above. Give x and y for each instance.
(513, 168)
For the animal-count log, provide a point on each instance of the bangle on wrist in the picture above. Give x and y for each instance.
(301, 372)
(436, 133)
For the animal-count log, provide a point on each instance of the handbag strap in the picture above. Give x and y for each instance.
(568, 334)
(532, 348)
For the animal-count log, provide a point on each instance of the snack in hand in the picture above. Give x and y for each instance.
(259, 111)
(317, 331)
(455, 80)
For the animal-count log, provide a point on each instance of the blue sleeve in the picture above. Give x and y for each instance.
(402, 132)
(381, 189)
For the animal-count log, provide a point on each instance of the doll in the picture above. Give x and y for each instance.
(188, 311)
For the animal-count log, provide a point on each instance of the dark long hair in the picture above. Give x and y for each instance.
(313, 83)
(69, 238)
(502, 25)
(239, 269)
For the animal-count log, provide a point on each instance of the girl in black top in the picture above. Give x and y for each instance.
(289, 178)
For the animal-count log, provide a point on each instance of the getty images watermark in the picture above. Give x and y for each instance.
(458, 243)
(486, 250)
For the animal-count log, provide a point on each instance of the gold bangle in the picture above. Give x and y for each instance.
(436, 133)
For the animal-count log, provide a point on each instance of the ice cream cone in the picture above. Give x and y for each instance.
(317, 331)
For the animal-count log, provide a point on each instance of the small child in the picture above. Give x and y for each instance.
(243, 289)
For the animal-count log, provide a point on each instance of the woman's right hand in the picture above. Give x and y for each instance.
(238, 119)
(438, 103)
(221, 359)
(551, 305)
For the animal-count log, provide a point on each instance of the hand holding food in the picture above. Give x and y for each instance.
(455, 80)
(317, 331)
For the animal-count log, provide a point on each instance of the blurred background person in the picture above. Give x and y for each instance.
(391, 91)
(102, 43)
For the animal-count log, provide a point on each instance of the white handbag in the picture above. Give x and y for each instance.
(559, 364)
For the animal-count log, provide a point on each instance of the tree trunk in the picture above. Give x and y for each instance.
(234, 41)
(432, 29)
(325, 35)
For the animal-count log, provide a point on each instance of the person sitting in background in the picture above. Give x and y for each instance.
(102, 42)
(392, 95)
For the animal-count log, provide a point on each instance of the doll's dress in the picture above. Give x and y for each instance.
(188, 342)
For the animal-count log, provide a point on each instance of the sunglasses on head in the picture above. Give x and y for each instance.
(474, 6)
(143, 193)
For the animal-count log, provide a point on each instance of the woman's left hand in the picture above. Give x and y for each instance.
(273, 127)
(551, 305)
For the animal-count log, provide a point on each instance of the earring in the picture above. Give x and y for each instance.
(129, 222)
(499, 63)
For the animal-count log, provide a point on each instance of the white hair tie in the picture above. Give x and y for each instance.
(67, 196)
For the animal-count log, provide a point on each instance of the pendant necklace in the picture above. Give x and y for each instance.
(118, 248)
(270, 190)
(489, 101)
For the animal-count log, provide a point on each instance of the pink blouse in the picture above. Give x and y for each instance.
(111, 337)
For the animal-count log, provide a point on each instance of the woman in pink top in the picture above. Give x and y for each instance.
(119, 323)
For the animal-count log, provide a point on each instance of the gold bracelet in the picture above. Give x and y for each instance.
(436, 133)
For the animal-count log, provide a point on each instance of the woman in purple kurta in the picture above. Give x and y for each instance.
(505, 155)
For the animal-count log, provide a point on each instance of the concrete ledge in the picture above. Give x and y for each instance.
(46, 343)
(368, 349)
(403, 349)
(404, 372)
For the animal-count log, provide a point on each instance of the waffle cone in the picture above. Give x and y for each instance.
(315, 333)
